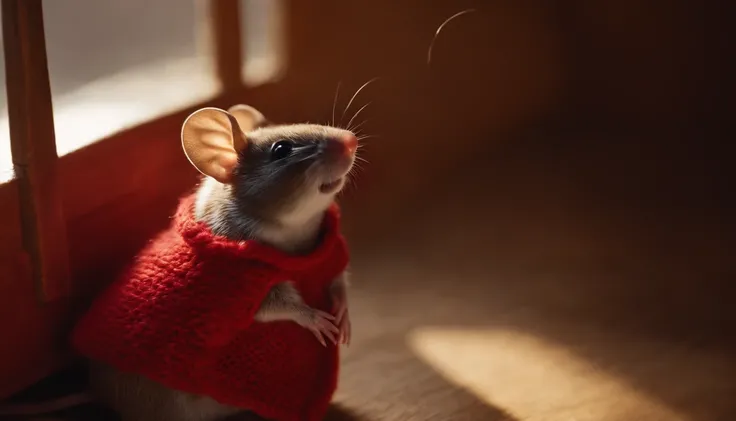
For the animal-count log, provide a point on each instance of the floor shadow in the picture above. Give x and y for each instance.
(380, 381)
(383, 380)
(340, 413)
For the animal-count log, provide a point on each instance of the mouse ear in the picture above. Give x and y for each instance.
(211, 139)
(248, 117)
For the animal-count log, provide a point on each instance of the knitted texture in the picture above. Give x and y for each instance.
(182, 315)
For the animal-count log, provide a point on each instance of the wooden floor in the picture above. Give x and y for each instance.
(541, 287)
(558, 285)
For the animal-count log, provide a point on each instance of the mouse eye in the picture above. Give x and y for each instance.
(281, 149)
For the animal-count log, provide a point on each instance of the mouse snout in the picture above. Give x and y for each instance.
(343, 145)
(337, 156)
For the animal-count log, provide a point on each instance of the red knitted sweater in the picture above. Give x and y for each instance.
(182, 315)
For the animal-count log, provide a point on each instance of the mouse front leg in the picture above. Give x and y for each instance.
(284, 302)
(339, 293)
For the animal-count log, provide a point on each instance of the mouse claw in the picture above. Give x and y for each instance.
(342, 316)
(345, 329)
(322, 324)
(339, 306)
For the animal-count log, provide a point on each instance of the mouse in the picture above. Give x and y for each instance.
(266, 190)
(275, 189)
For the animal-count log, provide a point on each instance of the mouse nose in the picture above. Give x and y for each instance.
(351, 142)
(345, 144)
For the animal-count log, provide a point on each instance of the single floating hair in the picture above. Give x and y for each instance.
(448, 20)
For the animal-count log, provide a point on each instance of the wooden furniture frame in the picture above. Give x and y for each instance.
(57, 210)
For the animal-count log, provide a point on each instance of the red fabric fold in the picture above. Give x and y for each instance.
(182, 315)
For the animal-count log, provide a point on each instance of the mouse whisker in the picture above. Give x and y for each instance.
(357, 153)
(350, 183)
(358, 164)
(356, 114)
(334, 102)
(367, 136)
(350, 177)
(355, 95)
(356, 128)
(310, 156)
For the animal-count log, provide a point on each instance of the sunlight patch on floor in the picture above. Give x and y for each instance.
(532, 379)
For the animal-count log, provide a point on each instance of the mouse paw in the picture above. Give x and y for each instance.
(321, 324)
(345, 328)
(342, 316)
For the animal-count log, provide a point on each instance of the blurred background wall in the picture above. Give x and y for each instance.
(613, 67)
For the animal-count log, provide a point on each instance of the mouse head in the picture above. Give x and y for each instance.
(289, 173)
